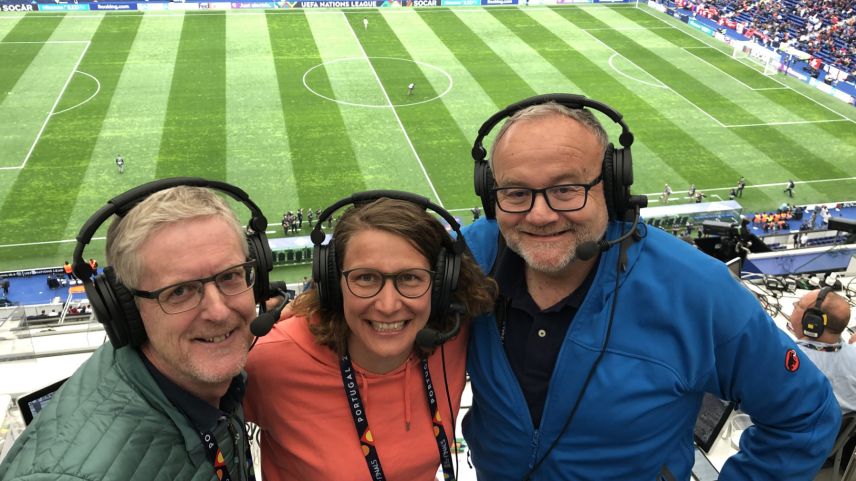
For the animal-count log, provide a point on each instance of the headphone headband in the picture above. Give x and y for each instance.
(317, 235)
(113, 303)
(571, 101)
(124, 202)
(617, 162)
(821, 296)
(325, 270)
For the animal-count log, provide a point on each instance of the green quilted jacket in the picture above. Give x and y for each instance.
(110, 421)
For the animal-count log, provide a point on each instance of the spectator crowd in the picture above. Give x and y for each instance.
(824, 29)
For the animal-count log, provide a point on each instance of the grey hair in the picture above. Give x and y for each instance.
(539, 111)
(126, 234)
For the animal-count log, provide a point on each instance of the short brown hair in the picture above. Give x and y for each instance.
(402, 218)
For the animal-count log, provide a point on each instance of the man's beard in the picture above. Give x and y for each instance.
(555, 256)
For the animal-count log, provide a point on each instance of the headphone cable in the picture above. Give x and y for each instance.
(590, 376)
(451, 412)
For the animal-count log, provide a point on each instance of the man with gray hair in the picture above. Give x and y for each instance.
(607, 335)
(164, 400)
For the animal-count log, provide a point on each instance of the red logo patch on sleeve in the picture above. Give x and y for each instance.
(792, 361)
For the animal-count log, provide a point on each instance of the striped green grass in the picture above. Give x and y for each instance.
(300, 108)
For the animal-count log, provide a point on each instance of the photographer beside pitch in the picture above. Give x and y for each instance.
(163, 400)
(607, 334)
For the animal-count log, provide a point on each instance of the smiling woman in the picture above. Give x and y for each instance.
(390, 271)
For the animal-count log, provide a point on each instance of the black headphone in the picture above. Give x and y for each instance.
(617, 163)
(325, 271)
(814, 320)
(112, 303)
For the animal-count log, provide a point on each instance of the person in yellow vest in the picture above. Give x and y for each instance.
(94, 265)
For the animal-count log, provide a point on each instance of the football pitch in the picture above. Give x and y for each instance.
(301, 108)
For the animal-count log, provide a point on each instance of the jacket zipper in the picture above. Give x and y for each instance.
(238, 456)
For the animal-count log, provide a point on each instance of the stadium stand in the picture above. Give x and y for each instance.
(824, 29)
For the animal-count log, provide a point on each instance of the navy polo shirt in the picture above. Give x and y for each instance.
(533, 337)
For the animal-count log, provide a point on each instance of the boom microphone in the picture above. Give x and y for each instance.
(587, 250)
(262, 325)
(428, 338)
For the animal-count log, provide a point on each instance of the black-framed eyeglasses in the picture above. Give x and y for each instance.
(561, 198)
(411, 283)
(184, 296)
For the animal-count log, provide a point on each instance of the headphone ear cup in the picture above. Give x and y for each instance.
(259, 249)
(446, 273)
(118, 311)
(333, 286)
(484, 183)
(608, 180)
(100, 299)
(325, 274)
(617, 179)
(813, 322)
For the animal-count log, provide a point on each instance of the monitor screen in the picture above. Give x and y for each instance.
(711, 418)
(31, 404)
(735, 266)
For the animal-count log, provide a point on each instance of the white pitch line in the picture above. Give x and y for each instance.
(466, 209)
(654, 77)
(64, 241)
(717, 68)
(53, 108)
(723, 53)
(48, 41)
(394, 112)
(773, 184)
(97, 89)
(619, 72)
(796, 122)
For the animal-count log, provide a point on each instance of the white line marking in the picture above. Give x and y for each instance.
(796, 122)
(760, 186)
(65, 241)
(771, 78)
(53, 108)
(368, 59)
(49, 41)
(619, 72)
(717, 68)
(311, 11)
(655, 77)
(392, 109)
(97, 89)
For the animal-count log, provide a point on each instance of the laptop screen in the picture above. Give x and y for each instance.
(31, 404)
(735, 266)
(711, 418)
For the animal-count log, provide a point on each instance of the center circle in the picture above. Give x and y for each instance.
(360, 77)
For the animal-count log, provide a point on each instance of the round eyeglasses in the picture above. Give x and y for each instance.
(561, 198)
(186, 295)
(411, 283)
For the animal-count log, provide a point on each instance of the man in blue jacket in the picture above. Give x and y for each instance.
(600, 353)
